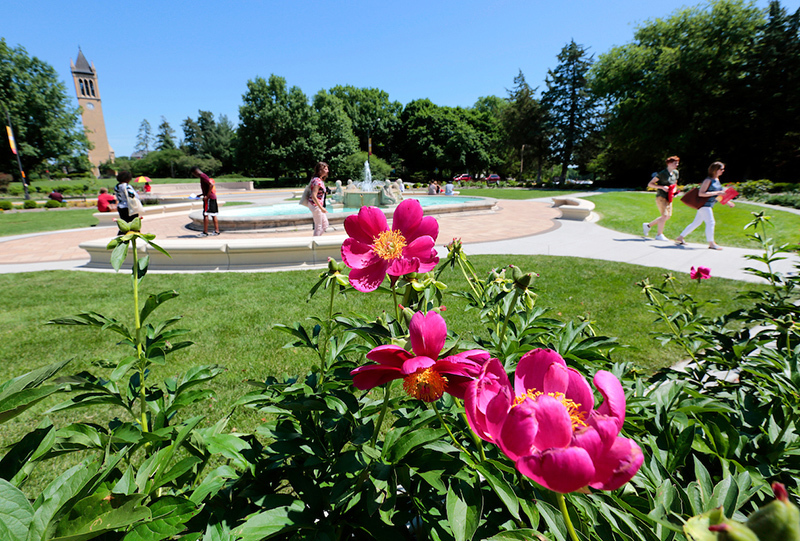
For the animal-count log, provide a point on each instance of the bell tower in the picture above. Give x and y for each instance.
(88, 93)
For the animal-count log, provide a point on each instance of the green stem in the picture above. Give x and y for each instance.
(138, 338)
(468, 279)
(511, 306)
(386, 391)
(394, 298)
(323, 348)
(562, 504)
(672, 328)
(447, 427)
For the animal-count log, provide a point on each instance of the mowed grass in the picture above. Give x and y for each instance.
(231, 318)
(38, 221)
(626, 211)
(512, 193)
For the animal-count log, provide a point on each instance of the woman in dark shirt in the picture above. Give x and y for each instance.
(710, 188)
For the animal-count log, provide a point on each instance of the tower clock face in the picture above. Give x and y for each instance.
(90, 106)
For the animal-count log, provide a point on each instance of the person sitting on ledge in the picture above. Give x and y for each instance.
(106, 201)
(56, 196)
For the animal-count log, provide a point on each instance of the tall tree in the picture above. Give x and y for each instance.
(46, 127)
(676, 90)
(571, 106)
(192, 140)
(144, 137)
(335, 129)
(276, 129)
(527, 129)
(371, 112)
(165, 138)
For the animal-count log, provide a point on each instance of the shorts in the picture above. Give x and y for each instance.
(664, 206)
(210, 208)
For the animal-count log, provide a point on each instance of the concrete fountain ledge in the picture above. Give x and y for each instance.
(250, 223)
(220, 254)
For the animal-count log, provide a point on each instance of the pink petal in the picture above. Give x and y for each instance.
(556, 379)
(371, 222)
(428, 333)
(579, 392)
(477, 355)
(588, 438)
(422, 249)
(427, 265)
(491, 383)
(606, 428)
(407, 217)
(457, 366)
(352, 225)
(417, 363)
(561, 470)
(613, 396)
(531, 370)
(373, 375)
(427, 227)
(555, 424)
(401, 266)
(519, 431)
(357, 255)
(389, 355)
(457, 385)
(369, 278)
(618, 465)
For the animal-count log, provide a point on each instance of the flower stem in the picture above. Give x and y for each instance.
(386, 391)
(138, 338)
(447, 427)
(511, 306)
(394, 298)
(562, 504)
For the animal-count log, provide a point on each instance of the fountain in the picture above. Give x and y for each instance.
(364, 194)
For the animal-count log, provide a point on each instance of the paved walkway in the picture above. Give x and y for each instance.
(515, 227)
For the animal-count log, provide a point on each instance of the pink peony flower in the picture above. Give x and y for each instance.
(702, 273)
(547, 424)
(373, 250)
(424, 375)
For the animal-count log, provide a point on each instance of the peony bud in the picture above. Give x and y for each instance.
(733, 531)
(779, 519)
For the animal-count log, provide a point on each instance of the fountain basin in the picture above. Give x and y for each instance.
(294, 214)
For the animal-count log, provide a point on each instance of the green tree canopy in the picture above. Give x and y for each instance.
(165, 138)
(46, 126)
(677, 90)
(335, 130)
(144, 137)
(276, 129)
(526, 127)
(571, 107)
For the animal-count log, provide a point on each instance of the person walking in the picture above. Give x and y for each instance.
(711, 187)
(127, 198)
(664, 183)
(210, 208)
(316, 198)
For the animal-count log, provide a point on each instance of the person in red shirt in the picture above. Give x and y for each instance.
(106, 201)
(147, 187)
(209, 200)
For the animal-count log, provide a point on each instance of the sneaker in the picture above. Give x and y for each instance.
(203, 235)
(214, 234)
(645, 229)
(661, 237)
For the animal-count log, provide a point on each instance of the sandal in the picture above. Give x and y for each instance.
(715, 247)
(680, 242)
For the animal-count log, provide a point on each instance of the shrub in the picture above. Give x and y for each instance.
(29, 204)
(6, 205)
(784, 200)
(752, 189)
(52, 204)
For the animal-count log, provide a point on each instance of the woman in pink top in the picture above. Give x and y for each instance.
(316, 197)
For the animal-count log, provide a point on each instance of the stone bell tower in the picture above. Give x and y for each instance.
(88, 93)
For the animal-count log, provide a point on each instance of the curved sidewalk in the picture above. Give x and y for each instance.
(527, 227)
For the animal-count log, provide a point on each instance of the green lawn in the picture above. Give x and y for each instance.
(626, 211)
(231, 316)
(512, 193)
(36, 221)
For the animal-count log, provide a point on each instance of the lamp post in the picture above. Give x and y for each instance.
(13, 145)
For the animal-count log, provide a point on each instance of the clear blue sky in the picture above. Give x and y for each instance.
(173, 58)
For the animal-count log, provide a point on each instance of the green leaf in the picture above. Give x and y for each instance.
(99, 513)
(20, 460)
(500, 487)
(515, 535)
(464, 506)
(212, 484)
(16, 513)
(704, 482)
(283, 513)
(154, 301)
(170, 515)
(411, 441)
(119, 254)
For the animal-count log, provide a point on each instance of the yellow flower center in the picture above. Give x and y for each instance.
(577, 416)
(426, 385)
(389, 244)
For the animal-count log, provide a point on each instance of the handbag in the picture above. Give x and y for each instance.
(692, 198)
(135, 206)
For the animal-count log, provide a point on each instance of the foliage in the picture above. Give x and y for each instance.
(524, 122)
(660, 101)
(353, 167)
(571, 107)
(29, 204)
(6, 205)
(165, 138)
(52, 204)
(144, 138)
(276, 132)
(336, 129)
(46, 126)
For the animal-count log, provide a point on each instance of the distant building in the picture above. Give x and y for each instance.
(88, 93)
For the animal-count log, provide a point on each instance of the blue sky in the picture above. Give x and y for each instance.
(173, 58)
